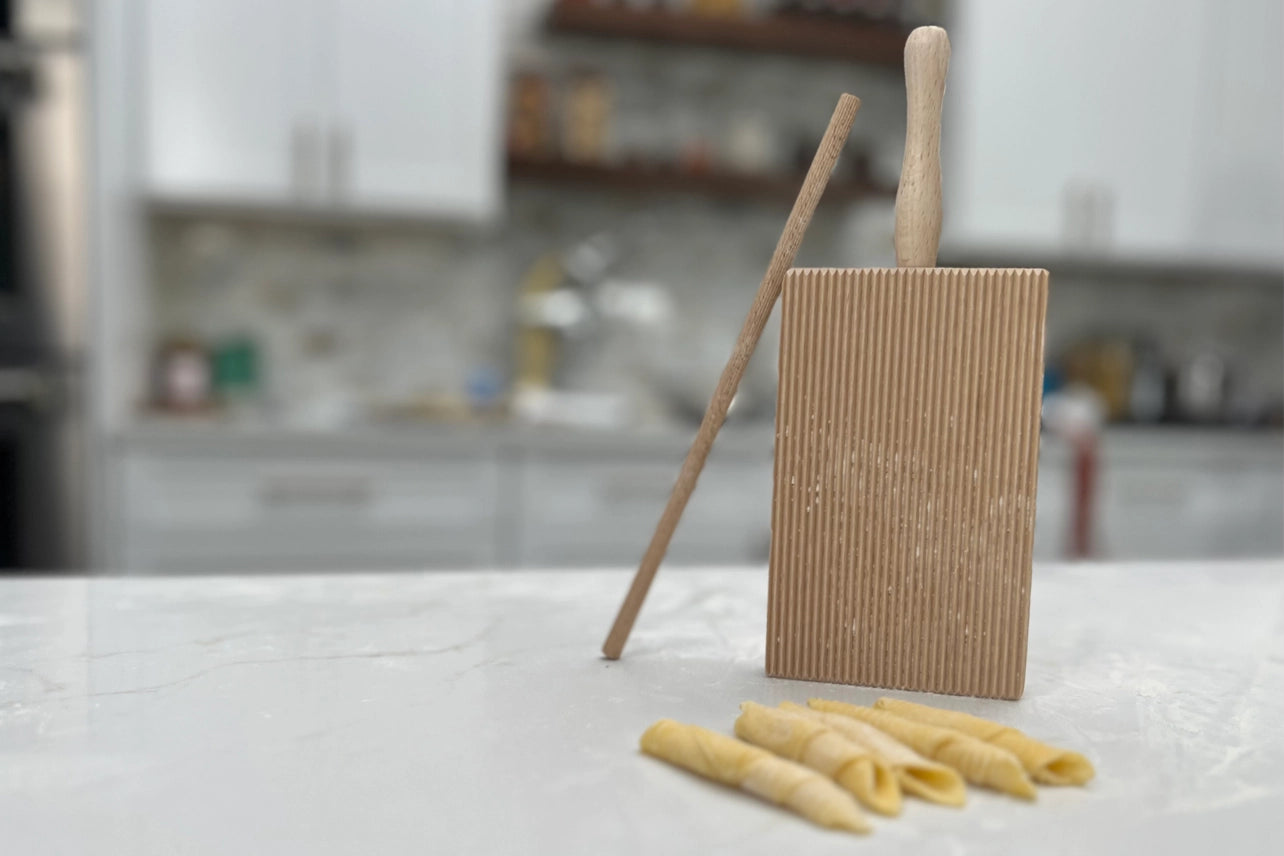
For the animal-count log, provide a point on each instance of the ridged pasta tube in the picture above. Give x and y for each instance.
(1046, 764)
(733, 762)
(977, 761)
(917, 775)
(814, 744)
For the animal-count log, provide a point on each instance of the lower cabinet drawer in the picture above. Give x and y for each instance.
(203, 513)
(577, 512)
(1166, 513)
(1052, 514)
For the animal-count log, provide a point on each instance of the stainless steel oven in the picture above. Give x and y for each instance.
(40, 288)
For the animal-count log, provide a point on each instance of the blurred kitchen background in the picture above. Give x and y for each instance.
(349, 284)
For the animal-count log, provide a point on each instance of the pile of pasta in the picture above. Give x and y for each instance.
(828, 759)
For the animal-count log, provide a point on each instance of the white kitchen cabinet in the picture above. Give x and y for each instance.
(199, 511)
(1168, 109)
(1240, 133)
(1148, 510)
(1053, 508)
(203, 501)
(390, 105)
(233, 103)
(1167, 495)
(416, 115)
(578, 510)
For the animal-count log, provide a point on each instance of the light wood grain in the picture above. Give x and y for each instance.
(918, 199)
(831, 146)
(907, 442)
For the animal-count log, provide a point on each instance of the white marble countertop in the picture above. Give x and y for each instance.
(470, 713)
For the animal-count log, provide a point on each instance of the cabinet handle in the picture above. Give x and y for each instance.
(340, 162)
(315, 490)
(305, 159)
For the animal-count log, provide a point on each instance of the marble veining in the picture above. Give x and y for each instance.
(426, 713)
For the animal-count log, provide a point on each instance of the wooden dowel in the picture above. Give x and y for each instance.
(831, 146)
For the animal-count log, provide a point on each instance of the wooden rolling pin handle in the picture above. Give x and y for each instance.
(918, 199)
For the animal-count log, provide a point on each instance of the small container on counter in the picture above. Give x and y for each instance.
(236, 378)
(1202, 386)
(1148, 395)
(749, 144)
(1105, 365)
(531, 116)
(181, 377)
(586, 117)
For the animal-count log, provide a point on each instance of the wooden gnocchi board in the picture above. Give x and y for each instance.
(907, 439)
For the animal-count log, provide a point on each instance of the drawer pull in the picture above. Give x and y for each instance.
(315, 490)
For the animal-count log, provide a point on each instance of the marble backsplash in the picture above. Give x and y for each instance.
(346, 319)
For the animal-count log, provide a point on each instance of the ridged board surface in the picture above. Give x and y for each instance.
(907, 440)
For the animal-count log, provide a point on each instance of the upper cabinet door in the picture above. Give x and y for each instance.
(233, 104)
(417, 105)
(1061, 113)
(1239, 202)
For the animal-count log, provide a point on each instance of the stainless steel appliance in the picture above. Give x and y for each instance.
(41, 291)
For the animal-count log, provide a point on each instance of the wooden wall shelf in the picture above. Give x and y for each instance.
(870, 42)
(671, 179)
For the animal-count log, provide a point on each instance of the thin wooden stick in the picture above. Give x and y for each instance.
(831, 145)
